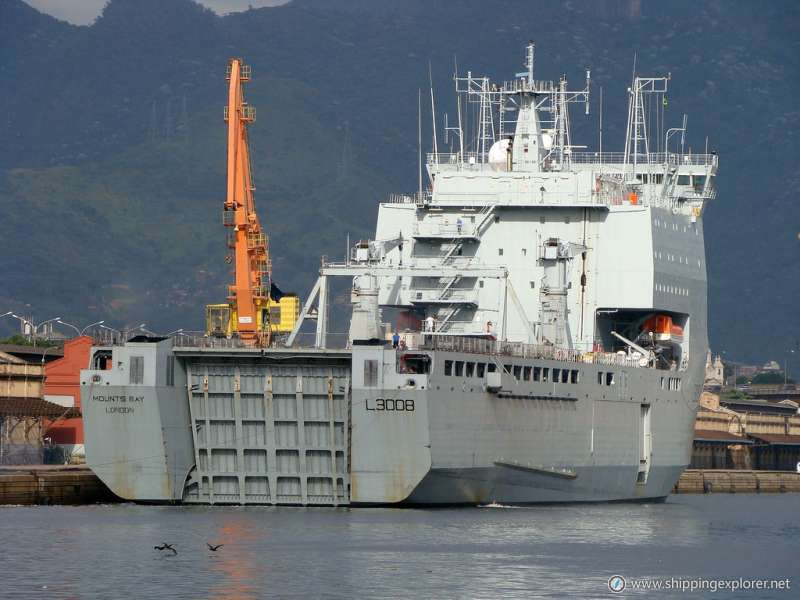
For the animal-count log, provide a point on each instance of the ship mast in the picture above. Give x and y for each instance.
(637, 148)
(249, 294)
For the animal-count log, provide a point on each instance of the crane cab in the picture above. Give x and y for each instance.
(279, 316)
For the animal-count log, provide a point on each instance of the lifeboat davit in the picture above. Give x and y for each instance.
(662, 328)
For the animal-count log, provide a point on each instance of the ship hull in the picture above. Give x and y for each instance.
(503, 485)
(302, 429)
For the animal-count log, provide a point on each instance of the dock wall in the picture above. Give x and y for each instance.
(703, 481)
(60, 485)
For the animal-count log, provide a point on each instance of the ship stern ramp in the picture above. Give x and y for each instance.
(269, 426)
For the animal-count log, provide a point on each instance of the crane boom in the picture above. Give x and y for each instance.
(255, 309)
(249, 293)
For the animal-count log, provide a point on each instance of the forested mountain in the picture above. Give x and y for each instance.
(112, 146)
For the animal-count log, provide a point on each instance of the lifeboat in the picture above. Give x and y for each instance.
(662, 328)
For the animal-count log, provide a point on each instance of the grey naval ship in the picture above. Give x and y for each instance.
(547, 343)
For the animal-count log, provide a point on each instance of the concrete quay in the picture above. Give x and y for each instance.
(57, 484)
(51, 484)
(734, 481)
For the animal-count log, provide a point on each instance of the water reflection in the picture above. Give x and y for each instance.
(107, 551)
(234, 562)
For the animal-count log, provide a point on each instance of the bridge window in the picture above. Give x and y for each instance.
(517, 372)
(564, 376)
(599, 378)
(470, 369)
(609, 378)
(556, 375)
(699, 182)
(491, 367)
(537, 373)
(574, 377)
(459, 368)
(545, 373)
(683, 180)
(481, 369)
(414, 363)
(448, 367)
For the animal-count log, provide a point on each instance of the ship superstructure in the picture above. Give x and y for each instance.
(548, 342)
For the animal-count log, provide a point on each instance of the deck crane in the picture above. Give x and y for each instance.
(256, 309)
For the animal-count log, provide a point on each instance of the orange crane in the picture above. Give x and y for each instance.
(250, 313)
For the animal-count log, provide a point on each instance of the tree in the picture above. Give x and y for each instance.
(735, 395)
(775, 377)
(20, 340)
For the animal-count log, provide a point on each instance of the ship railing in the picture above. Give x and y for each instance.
(652, 158)
(477, 161)
(477, 345)
(206, 341)
(596, 158)
(200, 339)
(694, 194)
(418, 198)
(610, 359)
(540, 86)
(468, 161)
(438, 295)
(481, 345)
(445, 230)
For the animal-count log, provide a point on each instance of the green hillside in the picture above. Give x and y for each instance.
(112, 154)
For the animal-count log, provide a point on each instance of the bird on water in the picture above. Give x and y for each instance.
(214, 548)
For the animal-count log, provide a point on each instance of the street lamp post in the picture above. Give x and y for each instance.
(75, 327)
(141, 327)
(80, 332)
(113, 331)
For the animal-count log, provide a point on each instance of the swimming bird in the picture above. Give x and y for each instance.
(165, 546)
(214, 548)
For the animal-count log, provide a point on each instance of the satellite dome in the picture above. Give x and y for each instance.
(498, 154)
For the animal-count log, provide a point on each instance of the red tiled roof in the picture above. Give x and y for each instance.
(777, 438)
(711, 435)
(34, 407)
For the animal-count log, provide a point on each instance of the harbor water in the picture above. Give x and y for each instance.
(107, 551)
